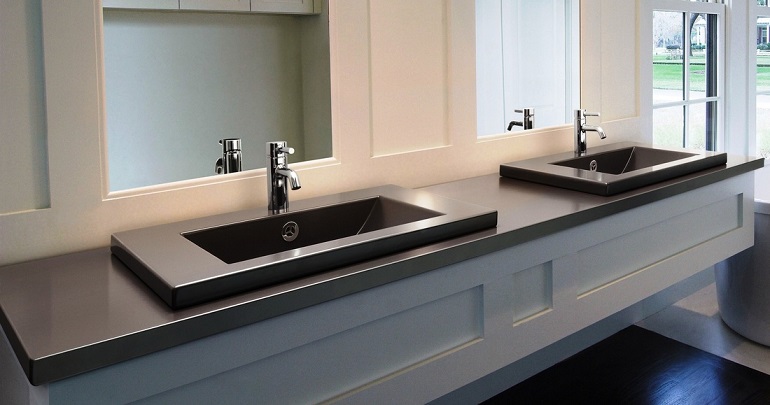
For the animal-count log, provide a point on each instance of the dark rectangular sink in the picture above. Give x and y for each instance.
(612, 169)
(195, 261)
(235, 242)
(624, 160)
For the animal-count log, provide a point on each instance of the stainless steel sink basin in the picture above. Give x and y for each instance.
(191, 262)
(612, 169)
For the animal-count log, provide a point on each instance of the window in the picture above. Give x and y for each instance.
(762, 77)
(687, 84)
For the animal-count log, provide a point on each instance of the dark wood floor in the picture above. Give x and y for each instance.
(636, 366)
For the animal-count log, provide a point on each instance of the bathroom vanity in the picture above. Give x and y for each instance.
(409, 327)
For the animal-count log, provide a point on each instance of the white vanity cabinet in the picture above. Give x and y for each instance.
(254, 6)
(419, 338)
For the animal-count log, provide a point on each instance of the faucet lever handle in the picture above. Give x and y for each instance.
(591, 114)
(278, 149)
(529, 111)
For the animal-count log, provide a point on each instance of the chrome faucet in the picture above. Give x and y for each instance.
(230, 162)
(581, 128)
(527, 121)
(278, 175)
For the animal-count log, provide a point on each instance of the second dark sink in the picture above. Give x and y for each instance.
(612, 169)
(624, 160)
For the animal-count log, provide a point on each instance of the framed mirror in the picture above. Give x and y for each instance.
(177, 82)
(527, 57)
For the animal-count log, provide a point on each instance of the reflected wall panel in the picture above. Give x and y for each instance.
(24, 155)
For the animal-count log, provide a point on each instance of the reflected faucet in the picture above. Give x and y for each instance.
(581, 146)
(527, 121)
(279, 177)
(230, 162)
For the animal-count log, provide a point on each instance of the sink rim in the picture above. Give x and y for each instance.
(542, 170)
(179, 282)
(631, 151)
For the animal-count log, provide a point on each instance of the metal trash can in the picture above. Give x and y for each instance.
(743, 281)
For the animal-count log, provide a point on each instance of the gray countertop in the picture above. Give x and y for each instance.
(74, 313)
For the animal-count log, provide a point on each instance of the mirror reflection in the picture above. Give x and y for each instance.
(527, 64)
(178, 82)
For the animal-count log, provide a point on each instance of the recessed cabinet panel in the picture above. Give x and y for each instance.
(332, 367)
(532, 292)
(602, 265)
(215, 5)
(283, 6)
(142, 4)
(255, 6)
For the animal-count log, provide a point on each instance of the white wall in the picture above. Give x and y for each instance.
(403, 112)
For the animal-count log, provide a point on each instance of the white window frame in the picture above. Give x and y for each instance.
(754, 12)
(741, 97)
(645, 61)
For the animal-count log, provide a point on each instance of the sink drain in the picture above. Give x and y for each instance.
(290, 231)
(593, 166)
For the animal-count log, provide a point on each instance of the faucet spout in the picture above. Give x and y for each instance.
(291, 175)
(595, 128)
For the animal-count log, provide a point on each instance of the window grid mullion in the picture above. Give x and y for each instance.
(686, 77)
(688, 102)
(756, 12)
